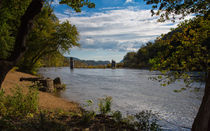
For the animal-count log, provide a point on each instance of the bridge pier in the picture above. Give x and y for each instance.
(71, 63)
(113, 65)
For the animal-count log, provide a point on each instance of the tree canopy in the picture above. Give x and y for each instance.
(48, 37)
(186, 49)
(16, 23)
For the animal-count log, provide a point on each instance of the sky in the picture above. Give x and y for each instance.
(112, 28)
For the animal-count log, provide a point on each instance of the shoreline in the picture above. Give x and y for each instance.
(47, 101)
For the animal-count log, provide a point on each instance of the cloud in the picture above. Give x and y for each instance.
(118, 30)
(55, 2)
(128, 1)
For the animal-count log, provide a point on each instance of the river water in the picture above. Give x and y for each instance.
(132, 91)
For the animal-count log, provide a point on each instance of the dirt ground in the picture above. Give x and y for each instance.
(46, 100)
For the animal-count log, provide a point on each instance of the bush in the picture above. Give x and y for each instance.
(87, 116)
(105, 105)
(18, 105)
(117, 116)
(146, 121)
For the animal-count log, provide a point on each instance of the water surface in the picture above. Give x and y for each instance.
(132, 92)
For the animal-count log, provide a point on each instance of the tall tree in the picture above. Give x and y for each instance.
(169, 10)
(26, 21)
(187, 49)
(48, 37)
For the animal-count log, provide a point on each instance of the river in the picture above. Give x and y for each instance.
(131, 91)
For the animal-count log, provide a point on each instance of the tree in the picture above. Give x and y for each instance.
(169, 10)
(129, 60)
(12, 56)
(48, 37)
(187, 49)
(141, 59)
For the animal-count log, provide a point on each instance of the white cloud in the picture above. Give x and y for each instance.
(128, 1)
(55, 2)
(122, 29)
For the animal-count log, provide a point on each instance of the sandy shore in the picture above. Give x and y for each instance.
(46, 100)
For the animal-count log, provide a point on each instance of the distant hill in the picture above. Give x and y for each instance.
(95, 63)
(90, 62)
(121, 61)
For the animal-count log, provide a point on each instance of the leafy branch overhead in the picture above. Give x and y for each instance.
(78, 4)
(170, 9)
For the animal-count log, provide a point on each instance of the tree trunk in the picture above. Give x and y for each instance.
(4, 69)
(202, 120)
(19, 48)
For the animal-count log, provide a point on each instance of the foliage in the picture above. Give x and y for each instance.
(142, 57)
(186, 49)
(105, 105)
(10, 14)
(54, 60)
(77, 5)
(130, 60)
(18, 105)
(12, 35)
(47, 41)
(146, 121)
(87, 116)
(179, 54)
(31, 119)
(170, 9)
(117, 116)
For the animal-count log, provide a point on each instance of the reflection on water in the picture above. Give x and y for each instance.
(131, 91)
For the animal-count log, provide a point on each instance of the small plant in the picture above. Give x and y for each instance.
(146, 121)
(89, 104)
(18, 105)
(105, 105)
(87, 116)
(117, 116)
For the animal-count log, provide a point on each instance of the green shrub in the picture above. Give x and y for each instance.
(18, 105)
(146, 121)
(87, 116)
(105, 105)
(117, 116)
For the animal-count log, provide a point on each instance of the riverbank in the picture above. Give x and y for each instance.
(19, 111)
(47, 101)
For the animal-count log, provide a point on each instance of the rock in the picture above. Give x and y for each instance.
(57, 81)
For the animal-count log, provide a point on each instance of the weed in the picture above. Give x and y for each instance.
(146, 121)
(18, 105)
(87, 116)
(105, 105)
(117, 116)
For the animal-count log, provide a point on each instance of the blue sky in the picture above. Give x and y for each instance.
(113, 28)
